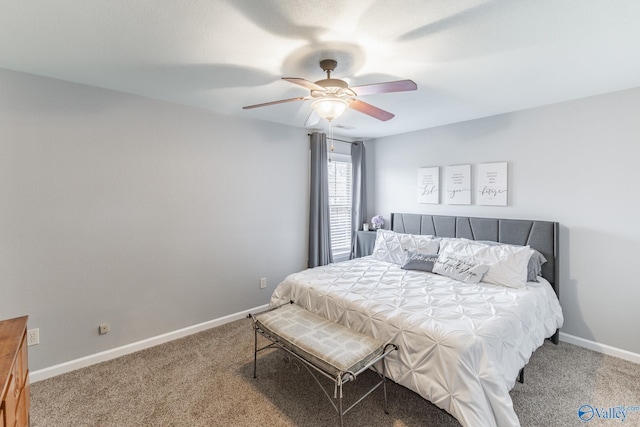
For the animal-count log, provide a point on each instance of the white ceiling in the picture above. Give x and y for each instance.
(469, 58)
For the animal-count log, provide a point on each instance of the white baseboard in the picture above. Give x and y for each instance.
(600, 348)
(72, 365)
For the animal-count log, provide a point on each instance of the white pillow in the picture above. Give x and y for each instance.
(391, 246)
(534, 267)
(507, 263)
(462, 268)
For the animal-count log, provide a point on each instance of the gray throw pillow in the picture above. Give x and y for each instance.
(534, 268)
(417, 261)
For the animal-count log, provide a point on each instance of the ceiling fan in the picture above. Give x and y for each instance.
(333, 96)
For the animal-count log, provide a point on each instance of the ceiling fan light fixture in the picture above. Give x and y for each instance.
(329, 108)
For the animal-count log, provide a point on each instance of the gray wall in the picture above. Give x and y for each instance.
(154, 217)
(577, 163)
(150, 216)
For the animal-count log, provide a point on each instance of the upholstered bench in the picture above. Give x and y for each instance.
(323, 347)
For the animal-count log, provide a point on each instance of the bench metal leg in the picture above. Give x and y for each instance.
(384, 386)
(255, 352)
(340, 411)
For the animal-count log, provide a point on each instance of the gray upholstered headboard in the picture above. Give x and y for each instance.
(539, 235)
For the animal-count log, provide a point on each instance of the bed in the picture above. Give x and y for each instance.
(461, 344)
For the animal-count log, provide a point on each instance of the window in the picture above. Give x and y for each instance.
(339, 169)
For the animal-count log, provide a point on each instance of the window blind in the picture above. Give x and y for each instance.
(340, 207)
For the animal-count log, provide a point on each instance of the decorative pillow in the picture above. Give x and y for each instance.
(534, 267)
(418, 261)
(507, 263)
(391, 246)
(462, 268)
(424, 244)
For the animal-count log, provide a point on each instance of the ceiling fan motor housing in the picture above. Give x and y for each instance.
(332, 83)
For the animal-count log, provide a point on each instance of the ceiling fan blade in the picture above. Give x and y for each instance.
(312, 120)
(370, 110)
(397, 86)
(282, 101)
(304, 83)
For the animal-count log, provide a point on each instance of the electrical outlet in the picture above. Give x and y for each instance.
(33, 336)
(263, 282)
(104, 328)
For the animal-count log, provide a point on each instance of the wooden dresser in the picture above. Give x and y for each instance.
(14, 373)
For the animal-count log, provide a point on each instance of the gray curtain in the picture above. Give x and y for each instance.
(319, 228)
(358, 192)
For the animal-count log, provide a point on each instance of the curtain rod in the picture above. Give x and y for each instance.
(341, 140)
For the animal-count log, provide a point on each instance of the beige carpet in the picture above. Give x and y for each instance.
(207, 380)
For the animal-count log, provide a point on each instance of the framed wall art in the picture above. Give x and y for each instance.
(429, 185)
(458, 181)
(492, 184)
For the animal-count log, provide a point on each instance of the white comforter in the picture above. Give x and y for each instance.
(461, 345)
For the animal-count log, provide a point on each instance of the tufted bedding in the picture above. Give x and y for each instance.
(461, 346)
